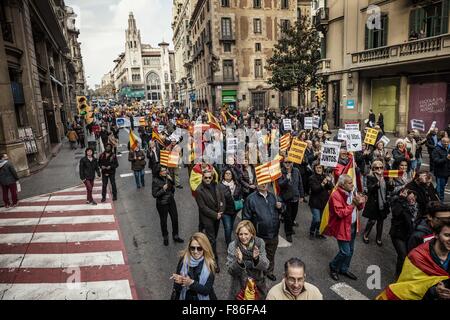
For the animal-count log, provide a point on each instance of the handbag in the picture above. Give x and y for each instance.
(238, 205)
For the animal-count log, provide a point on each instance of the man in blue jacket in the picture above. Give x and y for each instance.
(263, 209)
(441, 161)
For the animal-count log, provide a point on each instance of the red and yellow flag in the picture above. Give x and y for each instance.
(134, 141)
(233, 118)
(157, 137)
(419, 274)
(269, 172)
(393, 173)
(213, 122)
(224, 117)
(285, 142)
(169, 159)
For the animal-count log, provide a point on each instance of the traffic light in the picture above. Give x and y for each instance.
(320, 95)
(82, 105)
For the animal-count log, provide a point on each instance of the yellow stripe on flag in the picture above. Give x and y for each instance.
(134, 144)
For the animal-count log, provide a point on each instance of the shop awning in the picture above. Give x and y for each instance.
(229, 96)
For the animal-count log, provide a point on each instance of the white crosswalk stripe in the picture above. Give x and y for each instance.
(347, 292)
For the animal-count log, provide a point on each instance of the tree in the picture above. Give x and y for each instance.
(295, 60)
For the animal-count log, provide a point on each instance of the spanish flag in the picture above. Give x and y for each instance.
(156, 136)
(134, 141)
(419, 274)
(213, 122)
(269, 172)
(393, 173)
(285, 142)
(351, 171)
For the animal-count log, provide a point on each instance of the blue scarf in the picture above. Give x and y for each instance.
(203, 276)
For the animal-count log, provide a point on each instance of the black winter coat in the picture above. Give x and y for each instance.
(163, 197)
(196, 288)
(245, 181)
(111, 161)
(440, 162)
(425, 194)
(89, 168)
(291, 190)
(230, 198)
(421, 232)
(319, 194)
(137, 160)
(372, 210)
(8, 174)
(399, 157)
(153, 160)
(208, 204)
(402, 225)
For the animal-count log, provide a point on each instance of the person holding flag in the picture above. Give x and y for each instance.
(340, 220)
(137, 159)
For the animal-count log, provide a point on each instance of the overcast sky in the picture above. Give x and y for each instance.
(102, 25)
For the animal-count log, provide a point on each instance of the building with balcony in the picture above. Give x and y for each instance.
(230, 43)
(37, 80)
(143, 72)
(389, 56)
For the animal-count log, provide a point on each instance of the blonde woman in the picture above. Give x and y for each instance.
(247, 259)
(194, 278)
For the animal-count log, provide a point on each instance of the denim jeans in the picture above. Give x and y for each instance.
(413, 165)
(139, 177)
(341, 262)
(228, 226)
(441, 183)
(316, 219)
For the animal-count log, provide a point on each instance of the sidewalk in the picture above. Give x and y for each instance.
(60, 173)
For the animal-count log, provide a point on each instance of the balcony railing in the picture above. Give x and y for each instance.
(7, 30)
(321, 19)
(417, 49)
(324, 65)
(213, 79)
(227, 37)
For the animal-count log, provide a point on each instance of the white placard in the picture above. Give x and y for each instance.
(308, 123)
(386, 140)
(352, 126)
(287, 124)
(232, 145)
(329, 156)
(433, 126)
(342, 135)
(123, 122)
(316, 122)
(354, 142)
(418, 125)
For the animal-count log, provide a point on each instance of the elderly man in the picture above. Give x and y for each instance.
(263, 209)
(344, 205)
(294, 286)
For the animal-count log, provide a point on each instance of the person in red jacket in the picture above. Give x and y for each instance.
(344, 206)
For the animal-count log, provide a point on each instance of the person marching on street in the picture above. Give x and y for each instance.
(247, 259)
(291, 190)
(137, 159)
(211, 203)
(8, 181)
(88, 167)
(108, 163)
(195, 274)
(153, 154)
(342, 225)
(73, 138)
(263, 209)
(163, 191)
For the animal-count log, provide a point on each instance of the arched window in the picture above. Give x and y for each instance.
(153, 86)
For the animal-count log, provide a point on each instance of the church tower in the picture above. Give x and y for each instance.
(133, 50)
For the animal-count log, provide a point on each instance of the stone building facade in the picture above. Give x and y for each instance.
(389, 56)
(37, 80)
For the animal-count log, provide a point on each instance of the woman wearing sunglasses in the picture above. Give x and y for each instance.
(247, 259)
(194, 278)
(377, 206)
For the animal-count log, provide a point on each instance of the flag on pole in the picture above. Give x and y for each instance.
(134, 141)
(269, 172)
(233, 118)
(285, 142)
(393, 173)
(351, 171)
(157, 137)
(213, 122)
(420, 273)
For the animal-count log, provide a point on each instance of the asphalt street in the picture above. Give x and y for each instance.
(152, 263)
